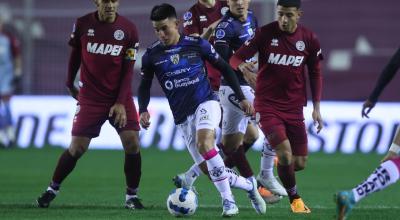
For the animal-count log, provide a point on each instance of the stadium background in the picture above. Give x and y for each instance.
(358, 37)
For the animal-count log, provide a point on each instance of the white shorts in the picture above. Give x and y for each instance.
(207, 116)
(233, 118)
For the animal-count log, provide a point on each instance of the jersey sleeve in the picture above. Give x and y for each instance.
(190, 24)
(314, 68)
(208, 52)
(247, 50)
(147, 70)
(74, 40)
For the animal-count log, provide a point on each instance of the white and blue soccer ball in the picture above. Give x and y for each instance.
(182, 202)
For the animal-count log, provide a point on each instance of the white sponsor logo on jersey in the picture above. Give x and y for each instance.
(300, 45)
(274, 42)
(90, 32)
(96, 48)
(285, 60)
(119, 35)
(187, 23)
(203, 18)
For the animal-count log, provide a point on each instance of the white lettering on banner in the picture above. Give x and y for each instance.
(344, 130)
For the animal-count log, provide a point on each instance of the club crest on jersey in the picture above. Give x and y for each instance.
(119, 35)
(220, 34)
(274, 42)
(224, 10)
(174, 58)
(300, 45)
(90, 32)
(188, 15)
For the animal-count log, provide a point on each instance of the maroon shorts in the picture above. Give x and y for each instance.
(278, 126)
(89, 119)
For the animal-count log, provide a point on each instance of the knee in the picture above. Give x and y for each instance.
(250, 139)
(131, 146)
(300, 164)
(77, 150)
(284, 157)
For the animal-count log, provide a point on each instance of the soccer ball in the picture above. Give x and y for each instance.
(182, 202)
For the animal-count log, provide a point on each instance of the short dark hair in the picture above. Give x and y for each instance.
(290, 3)
(163, 11)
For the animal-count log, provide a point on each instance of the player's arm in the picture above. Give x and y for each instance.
(315, 75)
(74, 60)
(209, 53)
(245, 52)
(386, 76)
(144, 91)
(17, 58)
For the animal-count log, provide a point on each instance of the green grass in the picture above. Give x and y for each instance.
(95, 190)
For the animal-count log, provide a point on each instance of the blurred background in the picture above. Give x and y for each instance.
(357, 40)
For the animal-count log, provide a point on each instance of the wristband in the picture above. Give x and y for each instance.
(394, 148)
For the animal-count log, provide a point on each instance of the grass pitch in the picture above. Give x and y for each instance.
(95, 189)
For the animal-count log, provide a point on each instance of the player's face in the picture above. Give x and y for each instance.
(239, 8)
(167, 31)
(107, 9)
(288, 18)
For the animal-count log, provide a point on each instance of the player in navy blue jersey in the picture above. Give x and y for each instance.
(178, 63)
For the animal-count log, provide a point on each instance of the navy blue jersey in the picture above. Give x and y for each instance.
(233, 33)
(180, 70)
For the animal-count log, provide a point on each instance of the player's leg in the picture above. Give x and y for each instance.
(8, 123)
(383, 176)
(87, 124)
(129, 136)
(266, 176)
(66, 163)
(274, 129)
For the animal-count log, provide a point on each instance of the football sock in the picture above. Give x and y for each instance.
(240, 161)
(133, 172)
(192, 174)
(237, 181)
(383, 176)
(288, 179)
(65, 165)
(218, 174)
(267, 162)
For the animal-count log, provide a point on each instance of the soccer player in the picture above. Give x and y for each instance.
(178, 63)
(10, 73)
(236, 27)
(285, 48)
(388, 172)
(104, 46)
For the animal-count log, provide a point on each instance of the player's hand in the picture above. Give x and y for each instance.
(144, 120)
(73, 92)
(247, 107)
(366, 108)
(119, 113)
(388, 156)
(249, 72)
(208, 32)
(317, 120)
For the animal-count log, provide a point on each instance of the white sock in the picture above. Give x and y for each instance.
(383, 176)
(237, 181)
(127, 197)
(192, 174)
(219, 176)
(267, 161)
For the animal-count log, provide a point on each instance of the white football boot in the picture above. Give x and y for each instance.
(272, 185)
(257, 201)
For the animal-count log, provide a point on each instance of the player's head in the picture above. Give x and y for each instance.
(239, 8)
(289, 14)
(107, 9)
(165, 23)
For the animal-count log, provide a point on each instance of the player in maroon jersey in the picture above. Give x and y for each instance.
(104, 46)
(285, 48)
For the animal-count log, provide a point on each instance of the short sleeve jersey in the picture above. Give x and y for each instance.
(104, 48)
(181, 73)
(281, 81)
(233, 33)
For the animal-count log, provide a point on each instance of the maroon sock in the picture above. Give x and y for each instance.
(241, 162)
(65, 165)
(133, 172)
(288, 178)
